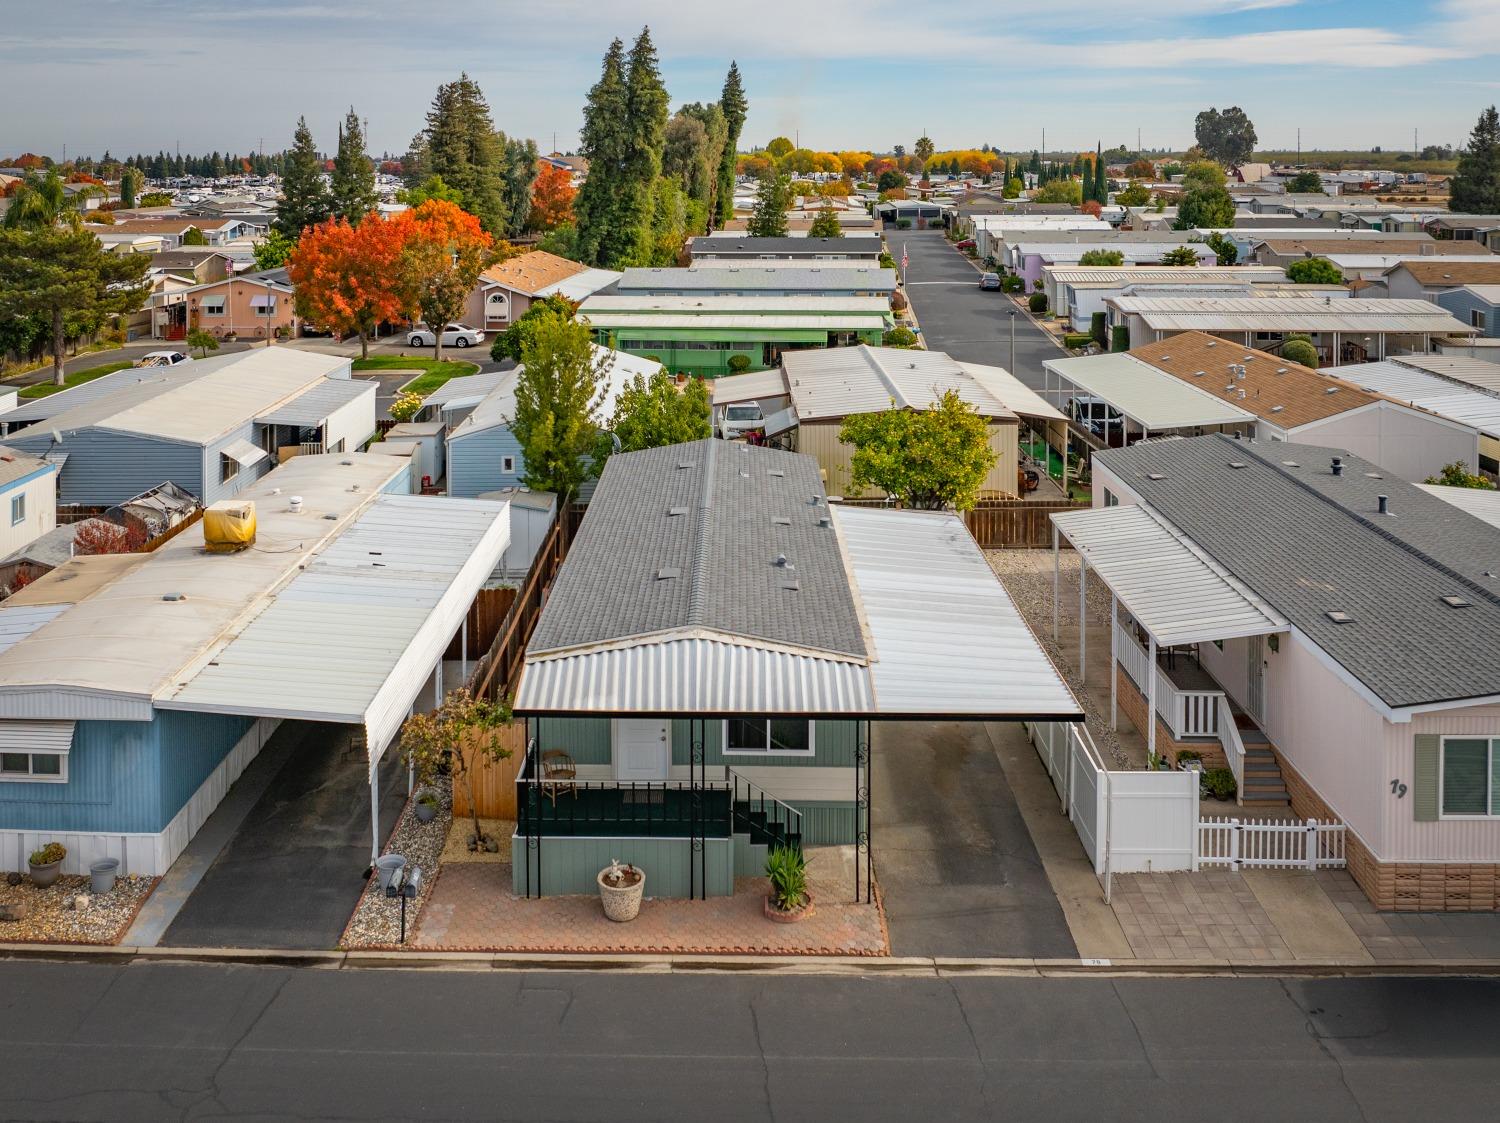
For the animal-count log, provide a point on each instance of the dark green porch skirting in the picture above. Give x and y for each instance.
(826, 823)
(572, 865)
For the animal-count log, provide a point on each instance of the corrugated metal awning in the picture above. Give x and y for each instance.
(36, 736)
(244, 452)
(1172, 587)
(780, 421)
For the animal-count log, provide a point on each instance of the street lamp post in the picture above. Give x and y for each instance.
(1013, 342)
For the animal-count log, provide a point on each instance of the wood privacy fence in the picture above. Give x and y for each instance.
(1003, 524)
(496, 674)
(494, 782)
(486, 617)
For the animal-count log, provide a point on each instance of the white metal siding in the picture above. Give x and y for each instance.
(1447, 840)
(1407, 443)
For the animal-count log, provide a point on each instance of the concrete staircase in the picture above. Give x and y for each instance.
(1263, 780)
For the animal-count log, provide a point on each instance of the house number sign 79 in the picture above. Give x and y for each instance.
(1398, 789)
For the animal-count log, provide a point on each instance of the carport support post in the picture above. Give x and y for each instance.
(374, 812)
(1151, 699)
(1114, 648)
(1056, 587)
(1083, 580)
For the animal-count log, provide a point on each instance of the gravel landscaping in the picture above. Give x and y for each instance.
(1027, 576)
(52, 918)
(376, 922)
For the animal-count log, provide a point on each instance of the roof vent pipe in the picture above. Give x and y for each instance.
(295, 505)
(1338, 465)
(1383, 504)
(781, 560)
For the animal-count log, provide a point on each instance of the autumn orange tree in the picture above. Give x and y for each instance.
(551, 198)
(443, 252)
(347, 278)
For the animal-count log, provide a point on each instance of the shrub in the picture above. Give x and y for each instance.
(1219, 783)
(899, 303)
(1188, 755)
(52, 852)
(787, 870)
(1300, 351)
(1037, 303)
(1099, 328)
(1011, 283)
(887, 261)
(406, 405)
(900, 337)
(1077, 339)
(1119, 338)
(739, 364)
(903, 224)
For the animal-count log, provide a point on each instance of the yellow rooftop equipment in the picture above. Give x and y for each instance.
(229, 526)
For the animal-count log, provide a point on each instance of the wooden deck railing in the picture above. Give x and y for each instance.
(1003, 524)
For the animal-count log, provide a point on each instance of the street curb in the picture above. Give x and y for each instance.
(898, 966)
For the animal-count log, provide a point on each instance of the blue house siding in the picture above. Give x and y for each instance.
(126, 777)
(1463, 304)
(474, 462)
(105, 467)
(214, 488)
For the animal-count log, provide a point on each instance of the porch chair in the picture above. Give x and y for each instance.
(559, 772)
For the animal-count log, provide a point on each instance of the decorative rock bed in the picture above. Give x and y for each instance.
(52, 918)
(376, 922)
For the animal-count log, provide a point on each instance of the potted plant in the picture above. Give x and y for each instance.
(426, 805)
(789, 901)
(620, 890)
(46, 864)
(1189, 759)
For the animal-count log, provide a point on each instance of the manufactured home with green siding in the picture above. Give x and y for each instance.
(700, 335)
(701, 684)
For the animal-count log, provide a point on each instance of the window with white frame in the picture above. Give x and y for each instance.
(229, 467)
(33, 767)
(17, 510)
(763, 736)
(213, 305)
(507, 464)
(1469, 777)
(1477, 318)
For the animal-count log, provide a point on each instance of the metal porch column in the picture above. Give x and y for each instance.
(1083, 582)
(1151, 698)
(697, 815)
(1114, 664)
(1056, 587)
(862, 815)
(374, 812)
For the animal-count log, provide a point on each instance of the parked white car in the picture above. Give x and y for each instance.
(454, 335)
(163, 359)
(739, 419)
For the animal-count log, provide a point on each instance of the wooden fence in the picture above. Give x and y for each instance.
(1002, 524)
(496, 673)
(494, 782)
(486, 617)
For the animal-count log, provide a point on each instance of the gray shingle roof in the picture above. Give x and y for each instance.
(749, 277)
(737, 508)
(1309, 542)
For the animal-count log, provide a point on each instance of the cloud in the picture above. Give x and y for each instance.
(1358, 47)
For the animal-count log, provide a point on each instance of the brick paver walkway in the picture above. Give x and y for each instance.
(1208, 914)
(472, 908)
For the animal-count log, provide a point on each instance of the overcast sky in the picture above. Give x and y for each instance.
(143, 75)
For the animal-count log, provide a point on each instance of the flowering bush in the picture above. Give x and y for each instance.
(406, 405)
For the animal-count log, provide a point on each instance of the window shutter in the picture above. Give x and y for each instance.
(1426, 747)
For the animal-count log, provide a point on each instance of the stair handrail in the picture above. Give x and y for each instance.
(786, 813)
(1234, 747)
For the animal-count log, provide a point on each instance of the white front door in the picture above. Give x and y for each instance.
(642, 749)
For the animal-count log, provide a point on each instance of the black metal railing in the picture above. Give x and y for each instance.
(630, 808)
(762, 814)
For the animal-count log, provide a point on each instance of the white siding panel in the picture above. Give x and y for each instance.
(1409, 444)
(1447, 840)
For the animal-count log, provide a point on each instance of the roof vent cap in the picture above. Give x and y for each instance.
(174, 597)
(667, 572)
(1339, 617)
(1337, 465)
(294, 505)
(1454, 601)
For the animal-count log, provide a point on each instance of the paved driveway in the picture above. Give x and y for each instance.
(291, 874)
(958, 871)
(956, 317)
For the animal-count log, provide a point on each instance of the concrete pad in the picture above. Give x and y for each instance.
(1309, 923)
(1095, 927)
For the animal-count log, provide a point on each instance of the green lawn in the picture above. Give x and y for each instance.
(434, 372)
(77, 378)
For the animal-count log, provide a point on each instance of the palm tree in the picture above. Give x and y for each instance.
(40, 203)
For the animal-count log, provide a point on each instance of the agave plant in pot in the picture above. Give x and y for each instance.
(789, 901)
(46, 864)
(620, 890)
(426, 805)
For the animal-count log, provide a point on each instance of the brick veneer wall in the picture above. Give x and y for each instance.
(1133, 704)
(1400, 886)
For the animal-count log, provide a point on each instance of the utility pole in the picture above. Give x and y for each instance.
(1299, 144)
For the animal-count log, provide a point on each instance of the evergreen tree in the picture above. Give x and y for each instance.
(304, 196)
(130, 186)
(353, 190)
(603, 143)
(646, 120)
(1475, 186)
(826, 225)
(461, 146)
(733, 105)
(772, 198)
(521, 162)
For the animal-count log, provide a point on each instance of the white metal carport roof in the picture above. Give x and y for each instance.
(354, 637)
(1441, 396)
(1148, 396)
(1172, 588)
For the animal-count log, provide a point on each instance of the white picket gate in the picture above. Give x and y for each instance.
(1271, 844)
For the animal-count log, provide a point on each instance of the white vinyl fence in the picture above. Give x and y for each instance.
(1138, 821)
(1271, 844)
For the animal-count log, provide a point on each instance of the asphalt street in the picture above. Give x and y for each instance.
(173, 1041)
(957, 317)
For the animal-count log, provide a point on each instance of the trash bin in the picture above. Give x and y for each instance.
(387, 866)
(102, 875)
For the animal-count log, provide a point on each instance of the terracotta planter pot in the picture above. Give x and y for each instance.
(622, 903)
(788, 916)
